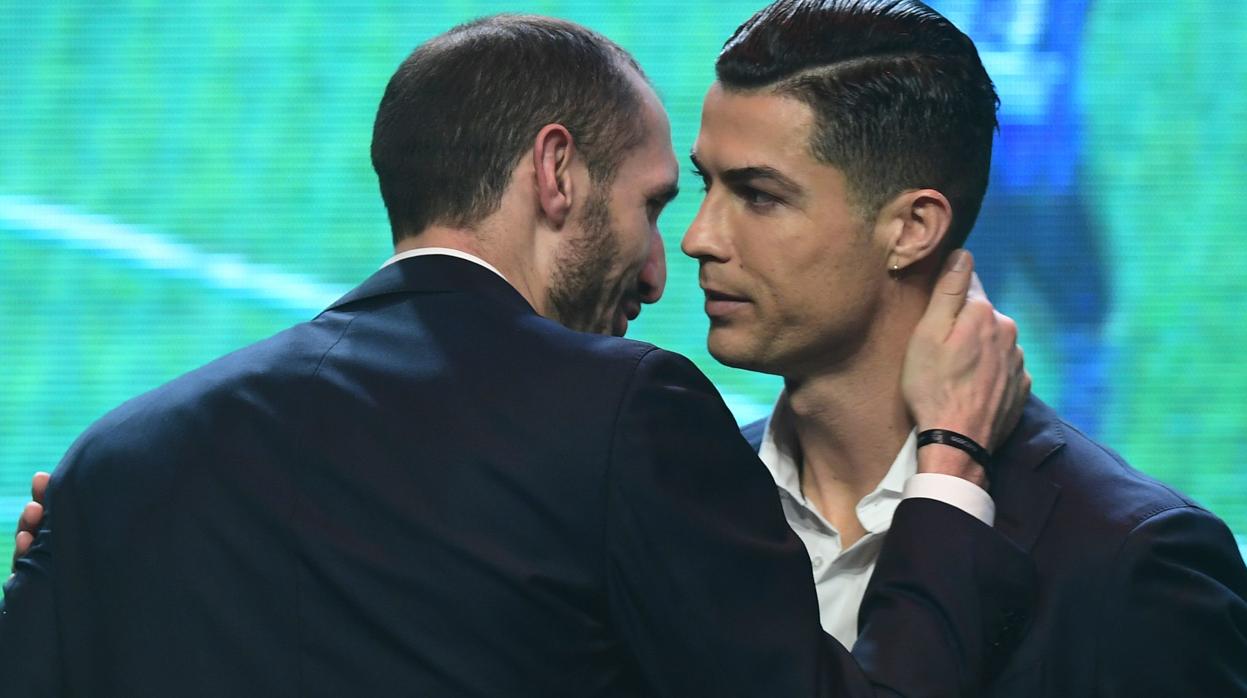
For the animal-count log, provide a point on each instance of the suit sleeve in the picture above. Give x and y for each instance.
(947, 603)
(709, 587)
(1176, 620)
(29, 640)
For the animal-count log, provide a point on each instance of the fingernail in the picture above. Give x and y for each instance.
(961, 260)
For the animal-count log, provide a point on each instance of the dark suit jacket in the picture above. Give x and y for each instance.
(429, 490)
(1141, 591)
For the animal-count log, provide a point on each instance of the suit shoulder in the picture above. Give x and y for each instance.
(1088, 517)
(162, 419)
(599, 358)
(1103, 490)
(593, 348)
(1105, 473)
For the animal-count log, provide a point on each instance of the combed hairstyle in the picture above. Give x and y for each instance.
(465, 106)
(900, 97)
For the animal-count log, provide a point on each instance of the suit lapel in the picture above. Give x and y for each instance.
(1024, 495)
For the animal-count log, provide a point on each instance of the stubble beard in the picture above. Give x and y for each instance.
(581, 290)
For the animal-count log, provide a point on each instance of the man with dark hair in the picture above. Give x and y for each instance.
(471, 92)
(845, 150)
(438, 487)
(448, 173)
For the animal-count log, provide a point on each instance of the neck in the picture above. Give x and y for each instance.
(848, 429)
(514, 261)
(850, 421)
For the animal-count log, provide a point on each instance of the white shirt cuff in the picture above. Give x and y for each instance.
(955, 491)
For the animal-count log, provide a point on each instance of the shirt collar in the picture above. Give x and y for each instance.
(447, 251)
(777, 450)
(780, 453)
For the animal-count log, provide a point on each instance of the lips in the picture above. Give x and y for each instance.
(720, 304)
(626, 312)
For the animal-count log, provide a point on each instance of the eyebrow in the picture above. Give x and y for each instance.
(665, 195)
(742, 175)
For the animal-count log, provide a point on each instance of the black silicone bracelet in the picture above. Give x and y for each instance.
(961, 441)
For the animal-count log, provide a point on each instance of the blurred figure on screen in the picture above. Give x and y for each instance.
(1038, 227)
(844, 151)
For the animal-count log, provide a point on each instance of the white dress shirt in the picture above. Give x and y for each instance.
(840, 576)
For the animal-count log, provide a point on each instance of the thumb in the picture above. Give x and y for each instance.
(950, 293)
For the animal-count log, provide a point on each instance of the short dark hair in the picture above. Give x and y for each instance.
(465, 106)
(899, 95)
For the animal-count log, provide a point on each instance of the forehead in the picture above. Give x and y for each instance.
(753, 128)
(653, 161)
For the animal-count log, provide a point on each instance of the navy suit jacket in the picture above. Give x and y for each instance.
(429, 490)
(1141, 591)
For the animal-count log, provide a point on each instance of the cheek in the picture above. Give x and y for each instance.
(813, 285)
(634, 259)
(633, 235)
(793, 276)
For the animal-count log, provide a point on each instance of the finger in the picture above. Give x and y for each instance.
(976, 318)
(1010, 326)
(39, 485)
(32, 514)
(950, 293)
(976, 287)
(22, 544)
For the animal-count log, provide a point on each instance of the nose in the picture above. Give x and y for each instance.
(653, 277)
(700, 240)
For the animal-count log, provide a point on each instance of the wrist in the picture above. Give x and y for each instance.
(977, 432)
(948, 460)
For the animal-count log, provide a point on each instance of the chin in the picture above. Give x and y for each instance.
(735, 355)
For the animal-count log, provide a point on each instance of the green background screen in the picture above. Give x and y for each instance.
(178, 180)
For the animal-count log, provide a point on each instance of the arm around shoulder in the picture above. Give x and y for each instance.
(713, 593)
(708, 587)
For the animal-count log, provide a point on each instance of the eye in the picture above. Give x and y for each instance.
(758, 199)
(705, 179)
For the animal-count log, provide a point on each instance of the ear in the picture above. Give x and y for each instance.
(915, 224)
(553, 153)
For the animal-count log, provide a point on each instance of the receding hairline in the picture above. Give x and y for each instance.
(599, 111)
